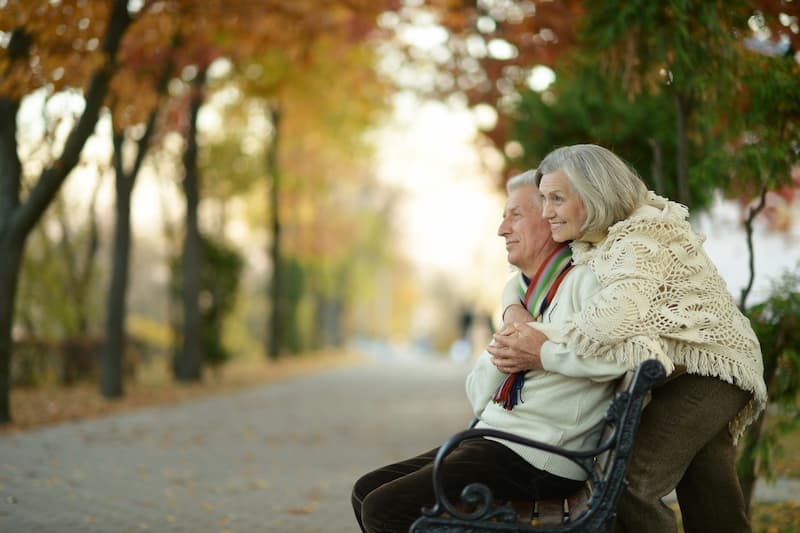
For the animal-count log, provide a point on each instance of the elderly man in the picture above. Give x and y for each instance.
(559, 405)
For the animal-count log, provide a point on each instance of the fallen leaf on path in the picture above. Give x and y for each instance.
(302, 510)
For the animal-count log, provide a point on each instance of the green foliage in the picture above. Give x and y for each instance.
(674, 45)
(219, 284)
(585, 106)
(50, 303)
(756, 146)
(776, 322)
(635, 61)
(290, 293)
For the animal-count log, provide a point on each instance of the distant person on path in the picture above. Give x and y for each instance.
(560, 405)
(660, 298)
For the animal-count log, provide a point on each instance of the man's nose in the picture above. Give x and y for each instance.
(502, 229)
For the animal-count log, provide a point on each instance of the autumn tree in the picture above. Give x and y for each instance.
(58, 291)
(193, 49)
(58, 280)
(276, 76)
(51, 47)
(136, 97)
(482, 53)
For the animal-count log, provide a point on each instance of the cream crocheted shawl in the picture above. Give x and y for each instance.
(661, 297)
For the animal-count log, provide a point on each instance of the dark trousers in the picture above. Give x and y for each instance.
(683, 443)
(391, 498)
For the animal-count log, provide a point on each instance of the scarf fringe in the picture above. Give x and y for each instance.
(509, 394)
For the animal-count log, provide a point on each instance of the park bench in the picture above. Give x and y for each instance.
(591, 508)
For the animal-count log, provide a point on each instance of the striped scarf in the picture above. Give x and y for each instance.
(535, 294)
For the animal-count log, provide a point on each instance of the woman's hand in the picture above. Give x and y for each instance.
(515, 313)
(517, 348)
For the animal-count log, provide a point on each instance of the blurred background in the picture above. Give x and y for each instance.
(185, 183)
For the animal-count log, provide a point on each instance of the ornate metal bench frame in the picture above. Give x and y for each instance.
(605, 466)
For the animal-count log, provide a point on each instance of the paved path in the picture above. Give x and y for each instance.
(278, 458)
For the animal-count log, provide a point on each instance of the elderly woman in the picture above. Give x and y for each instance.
(662, 298)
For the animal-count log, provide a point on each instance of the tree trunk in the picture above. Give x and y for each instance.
(111, 383)
(682, 111)
(657, 167)
(111, 378)
(11, 244)
(11, 252)
(747, 462)
(16, 219)
(189, 364)
(751, 252)
(274, 341)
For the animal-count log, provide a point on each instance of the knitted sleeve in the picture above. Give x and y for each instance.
(482, 382)
(511, 292)
(579, 287)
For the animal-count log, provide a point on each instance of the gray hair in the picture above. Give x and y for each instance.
(609, 188)
(520, 180)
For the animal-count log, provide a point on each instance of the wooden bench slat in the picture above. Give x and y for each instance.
(549, 512)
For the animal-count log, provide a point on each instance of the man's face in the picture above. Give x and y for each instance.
(525, 231)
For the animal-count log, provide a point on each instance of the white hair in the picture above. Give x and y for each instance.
(609, 188)
(526, 178)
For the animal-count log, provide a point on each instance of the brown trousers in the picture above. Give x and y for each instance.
(683, 443)
(389, 499)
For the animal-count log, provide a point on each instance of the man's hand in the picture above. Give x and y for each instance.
(516, 348)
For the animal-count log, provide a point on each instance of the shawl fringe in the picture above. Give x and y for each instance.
(696, 360)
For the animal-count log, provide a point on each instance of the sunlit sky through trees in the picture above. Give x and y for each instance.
(449, 204)
(445, 177)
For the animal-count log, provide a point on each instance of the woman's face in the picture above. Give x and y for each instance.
(561, 207)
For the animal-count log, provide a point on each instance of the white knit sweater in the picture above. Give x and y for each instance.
(661, 297)
(563, 403)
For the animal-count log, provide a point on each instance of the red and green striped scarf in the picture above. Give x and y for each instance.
(536, 295)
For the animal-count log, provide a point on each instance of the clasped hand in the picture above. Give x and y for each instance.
(517, 346)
